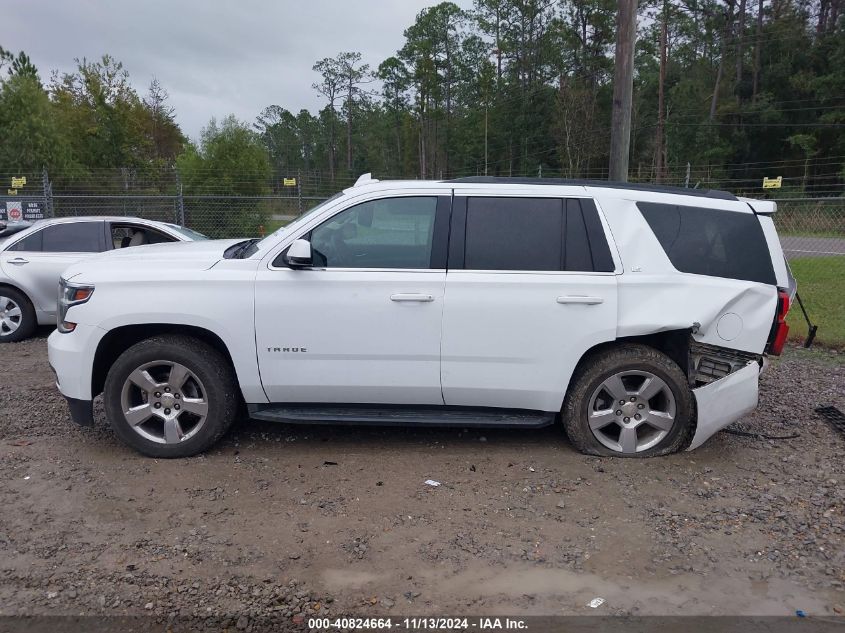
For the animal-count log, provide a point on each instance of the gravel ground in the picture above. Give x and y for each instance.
(285, 522)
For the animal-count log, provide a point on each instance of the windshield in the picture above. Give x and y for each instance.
(190, 234)
(299, 218)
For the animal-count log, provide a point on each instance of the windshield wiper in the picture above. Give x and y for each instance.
(241, 248)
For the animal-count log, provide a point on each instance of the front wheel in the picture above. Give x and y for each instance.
(170, 396)
(630, 401)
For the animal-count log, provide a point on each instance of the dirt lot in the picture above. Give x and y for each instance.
(282, 520)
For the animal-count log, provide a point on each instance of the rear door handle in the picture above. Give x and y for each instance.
(18, 261)
(407, 296)
(590, 301)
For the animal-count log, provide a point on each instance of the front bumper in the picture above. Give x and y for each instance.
(72, 359)
(725, 401)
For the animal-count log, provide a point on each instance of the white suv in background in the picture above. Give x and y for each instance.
(638, 316)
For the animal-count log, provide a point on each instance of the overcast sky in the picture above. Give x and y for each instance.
(214, 57)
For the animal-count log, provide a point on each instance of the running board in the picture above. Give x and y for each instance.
(401, 416)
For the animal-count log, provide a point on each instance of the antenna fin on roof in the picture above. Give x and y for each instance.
(364, 179)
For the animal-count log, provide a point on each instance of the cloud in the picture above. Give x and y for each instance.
(214, 58)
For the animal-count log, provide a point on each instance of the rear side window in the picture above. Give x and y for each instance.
(514, 234)
(534, 234)
(73, 237)
(711, 242)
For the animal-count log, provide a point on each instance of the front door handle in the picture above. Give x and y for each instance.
(18, 261)
(407, 296)
(590, 301)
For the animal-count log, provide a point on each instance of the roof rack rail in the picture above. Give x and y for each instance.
(607, 184)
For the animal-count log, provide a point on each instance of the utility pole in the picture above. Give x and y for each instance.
(659, 143)
(485, 138)
(623, 89)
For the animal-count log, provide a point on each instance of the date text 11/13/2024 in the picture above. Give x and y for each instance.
(419, 623)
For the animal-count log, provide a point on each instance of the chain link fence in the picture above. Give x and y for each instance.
(811, 229)
(217, 216)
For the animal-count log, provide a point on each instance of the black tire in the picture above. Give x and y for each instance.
(598, 367)
(28, 321)
(211, 368)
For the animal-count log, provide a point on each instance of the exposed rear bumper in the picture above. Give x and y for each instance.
(725, 401)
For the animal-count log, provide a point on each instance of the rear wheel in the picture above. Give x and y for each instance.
(17, 316)
(170, 396)
(630, 401)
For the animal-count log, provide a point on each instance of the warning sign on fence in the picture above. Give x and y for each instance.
(17, 210)
(14, 211)
(290, 182)
(772, 183)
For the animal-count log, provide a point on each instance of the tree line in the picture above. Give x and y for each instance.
(734, 89)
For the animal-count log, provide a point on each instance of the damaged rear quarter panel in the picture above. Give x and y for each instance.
(655, 297)
(730, 313)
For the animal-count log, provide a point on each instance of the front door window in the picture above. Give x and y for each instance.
(389, 233)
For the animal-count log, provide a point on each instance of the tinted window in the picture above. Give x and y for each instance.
(514, 234)
(548, 234)
(599, 248)
(577, 251)
(73, 237)
(389, 233)
(711, 242)
(31, 243)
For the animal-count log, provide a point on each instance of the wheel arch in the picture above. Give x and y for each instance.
(674, 343)
(11, 286)
(119, 339)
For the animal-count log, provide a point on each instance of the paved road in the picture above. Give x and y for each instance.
(799, 246)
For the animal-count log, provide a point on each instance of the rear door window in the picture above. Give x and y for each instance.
(534, 234)
(514, 234)
(713, 242)
(73, 237)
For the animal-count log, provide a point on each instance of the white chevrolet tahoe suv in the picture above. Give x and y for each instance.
(638, 316)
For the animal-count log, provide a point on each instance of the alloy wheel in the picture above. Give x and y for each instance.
(10, 316)
(164, 402)
(632, 411)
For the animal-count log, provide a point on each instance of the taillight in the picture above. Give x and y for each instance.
(781, 329)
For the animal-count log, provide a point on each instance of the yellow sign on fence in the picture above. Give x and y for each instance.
(772, 183)
(18, 182)
(290, 182)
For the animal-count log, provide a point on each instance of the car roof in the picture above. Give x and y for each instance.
(583, 184)
(100, 218)
(606, 184)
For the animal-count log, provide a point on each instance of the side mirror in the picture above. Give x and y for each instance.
(299, 254)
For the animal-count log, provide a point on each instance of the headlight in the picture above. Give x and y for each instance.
(70, 294)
